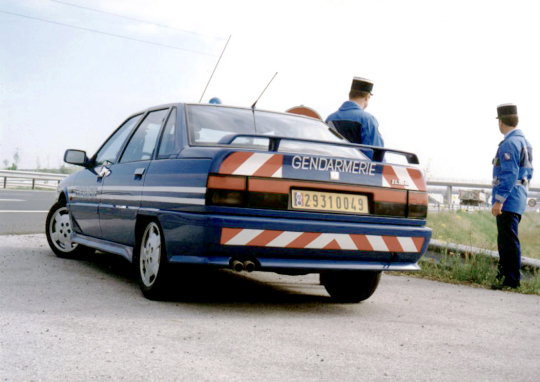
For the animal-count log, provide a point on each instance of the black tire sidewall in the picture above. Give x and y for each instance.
(77, 251)
(350, 286)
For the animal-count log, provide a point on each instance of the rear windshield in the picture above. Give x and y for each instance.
(208, 124)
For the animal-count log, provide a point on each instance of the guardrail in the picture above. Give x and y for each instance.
(28, 179)
(450, 184)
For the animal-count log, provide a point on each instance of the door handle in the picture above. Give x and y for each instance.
(139, 172)
(104, 172)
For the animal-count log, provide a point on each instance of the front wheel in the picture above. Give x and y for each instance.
(59, 233)
(350, 286)
(150, 260)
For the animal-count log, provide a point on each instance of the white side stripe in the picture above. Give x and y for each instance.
(163, 199)
(191, 190)
(159, 199)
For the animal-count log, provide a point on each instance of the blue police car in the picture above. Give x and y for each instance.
(244, 189)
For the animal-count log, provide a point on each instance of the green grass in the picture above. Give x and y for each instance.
(474, 269)
(479, 229)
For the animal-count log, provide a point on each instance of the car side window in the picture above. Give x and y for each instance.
(143, 142)
(168, 145)
(110, 150)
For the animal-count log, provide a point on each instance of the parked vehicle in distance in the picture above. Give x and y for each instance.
(249, 190)
(472, 197)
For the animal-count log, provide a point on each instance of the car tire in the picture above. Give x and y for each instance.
(59, 233)
(350, 286)
(150, 261)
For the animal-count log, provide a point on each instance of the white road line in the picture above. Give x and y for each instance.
(24, 212)
(12, 200)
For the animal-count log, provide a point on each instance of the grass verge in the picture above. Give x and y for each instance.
(479, 229)
(474, 269)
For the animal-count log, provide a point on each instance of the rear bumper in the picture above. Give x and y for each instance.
(292, 244)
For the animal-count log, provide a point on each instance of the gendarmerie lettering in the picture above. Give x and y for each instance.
(325, 164)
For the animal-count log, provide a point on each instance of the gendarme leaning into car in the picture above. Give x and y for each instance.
(227, 187)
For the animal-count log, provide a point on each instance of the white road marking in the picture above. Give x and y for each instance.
(12, 200)
(24, 212)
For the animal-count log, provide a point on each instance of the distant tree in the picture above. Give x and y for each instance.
(6, 163)
(427, 169)
(38, 163)
(16, 158)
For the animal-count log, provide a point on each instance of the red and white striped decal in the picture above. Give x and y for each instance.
(253, 164)
(403, 178)
(314, 240)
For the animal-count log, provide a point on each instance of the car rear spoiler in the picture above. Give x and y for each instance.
(378, 152)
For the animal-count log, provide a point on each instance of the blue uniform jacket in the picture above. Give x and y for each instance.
(512, 172)
(351, 111)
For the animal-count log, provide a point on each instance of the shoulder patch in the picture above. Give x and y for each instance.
(507, 156)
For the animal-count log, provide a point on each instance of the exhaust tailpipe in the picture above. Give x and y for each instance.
(249, 266)
(238, 266)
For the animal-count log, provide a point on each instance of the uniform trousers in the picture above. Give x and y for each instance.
(509, 248)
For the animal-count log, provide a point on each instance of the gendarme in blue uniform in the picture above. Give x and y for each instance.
(512, 172)
(351, 111)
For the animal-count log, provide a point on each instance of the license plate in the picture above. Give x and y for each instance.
(329, 201)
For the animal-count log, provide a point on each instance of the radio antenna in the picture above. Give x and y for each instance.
(253, 106)
(215, 68)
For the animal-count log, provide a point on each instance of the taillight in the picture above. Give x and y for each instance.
(389, 209)
(418, 204)
(226, 191)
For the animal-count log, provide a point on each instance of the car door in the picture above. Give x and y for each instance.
(85, 194)
(123, 185)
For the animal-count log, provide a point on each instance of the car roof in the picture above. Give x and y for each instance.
(181, 104)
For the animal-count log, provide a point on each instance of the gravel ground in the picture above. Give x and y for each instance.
(85, 320)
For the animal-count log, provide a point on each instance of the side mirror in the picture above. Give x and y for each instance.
(76, 157)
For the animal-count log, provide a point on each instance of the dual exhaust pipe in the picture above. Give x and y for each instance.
(239, 266)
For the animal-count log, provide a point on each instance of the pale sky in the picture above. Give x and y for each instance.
(440, 69)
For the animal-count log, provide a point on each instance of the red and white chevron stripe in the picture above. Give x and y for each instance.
(314, 240)
(403, 178)
(253, 164)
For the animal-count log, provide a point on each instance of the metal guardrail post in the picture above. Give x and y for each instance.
(23, 178)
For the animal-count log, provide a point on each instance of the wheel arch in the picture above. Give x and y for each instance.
(140, 224)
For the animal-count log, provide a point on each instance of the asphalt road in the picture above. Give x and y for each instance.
(24, 211)
(83, 320)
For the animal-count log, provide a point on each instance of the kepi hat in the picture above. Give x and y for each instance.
(362, 84)
(506, 110)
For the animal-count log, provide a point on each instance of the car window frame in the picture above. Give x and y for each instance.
(168, 108)
(94, 157)
(249, 147)
(173, 110)
(209, 144)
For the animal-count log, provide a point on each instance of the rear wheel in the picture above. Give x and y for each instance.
(150, 260)
(59, 233)
(350, 286)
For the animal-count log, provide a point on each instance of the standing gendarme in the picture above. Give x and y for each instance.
(512, 172)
